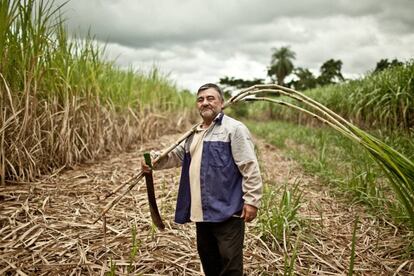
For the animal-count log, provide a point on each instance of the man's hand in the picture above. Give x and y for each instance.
(144, 167)
(249, 213)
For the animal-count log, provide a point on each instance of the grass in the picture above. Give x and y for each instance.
(276, 222)
(338, 162)
(135, 245)
(352, 258)
(39, 57)
(112, 268)
(62, 103)
(290, 260)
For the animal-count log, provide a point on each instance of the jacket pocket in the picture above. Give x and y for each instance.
(220, 154)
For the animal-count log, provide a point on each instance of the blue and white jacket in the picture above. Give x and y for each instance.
(229, 174)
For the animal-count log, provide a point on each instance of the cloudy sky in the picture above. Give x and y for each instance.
(199, 41)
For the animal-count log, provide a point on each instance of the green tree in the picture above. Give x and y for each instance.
(385, 64)
(330, 72)
(229, 85)
(231, 82)
(281, 64)
(306, 79)
(382, 65)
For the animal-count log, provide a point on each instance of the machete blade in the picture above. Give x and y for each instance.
(149, 182)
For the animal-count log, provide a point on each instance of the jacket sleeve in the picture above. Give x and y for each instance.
(244, 156)
(172, 160)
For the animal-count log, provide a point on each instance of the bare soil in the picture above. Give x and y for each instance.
(47, 226)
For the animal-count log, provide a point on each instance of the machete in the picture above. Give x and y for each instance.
(149, 181)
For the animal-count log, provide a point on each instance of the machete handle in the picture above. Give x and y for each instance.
(147, 158)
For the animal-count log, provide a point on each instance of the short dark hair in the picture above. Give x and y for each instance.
(211, 85)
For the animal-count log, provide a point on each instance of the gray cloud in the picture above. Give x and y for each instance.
(143, 23)
(198, 41)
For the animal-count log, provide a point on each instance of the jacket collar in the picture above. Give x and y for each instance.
(219, 118)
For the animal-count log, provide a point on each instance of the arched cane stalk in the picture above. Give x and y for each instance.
(398, 168)
(315, 116)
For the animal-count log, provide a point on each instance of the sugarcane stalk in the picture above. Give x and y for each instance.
(325, 111)
(397, 167)
(136, 177)
(113, 202)
(319, 118)
(277, 89)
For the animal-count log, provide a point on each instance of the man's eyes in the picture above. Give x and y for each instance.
(211, 98)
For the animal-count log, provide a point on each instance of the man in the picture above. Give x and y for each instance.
(220, 186)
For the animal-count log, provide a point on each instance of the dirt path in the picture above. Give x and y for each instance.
(46, 227)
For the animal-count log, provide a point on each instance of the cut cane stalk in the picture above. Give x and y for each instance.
(398, 168)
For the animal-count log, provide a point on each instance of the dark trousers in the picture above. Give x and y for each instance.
(220, 246)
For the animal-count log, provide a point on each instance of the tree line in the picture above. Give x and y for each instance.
(281, 66)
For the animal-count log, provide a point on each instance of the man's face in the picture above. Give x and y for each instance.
(209, 104)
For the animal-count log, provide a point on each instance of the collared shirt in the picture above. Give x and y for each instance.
(196, 150)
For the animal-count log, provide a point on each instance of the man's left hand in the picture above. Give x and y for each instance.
(249, 213)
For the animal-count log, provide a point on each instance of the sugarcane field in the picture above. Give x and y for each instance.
(155, 138)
